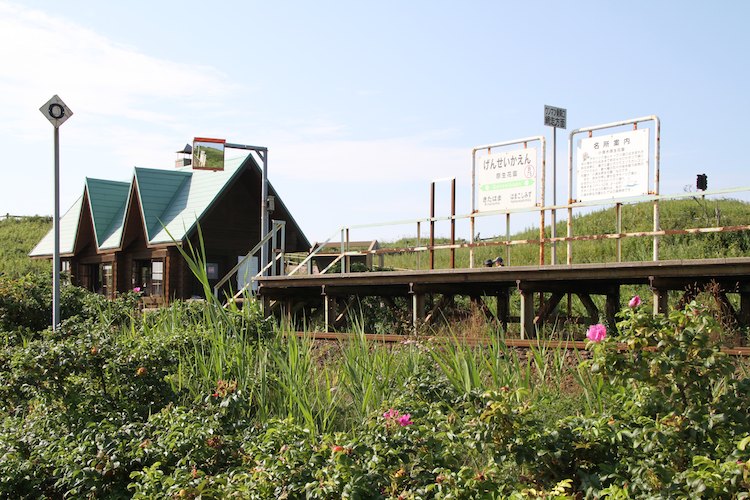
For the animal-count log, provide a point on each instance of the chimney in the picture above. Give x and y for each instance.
(184, 157)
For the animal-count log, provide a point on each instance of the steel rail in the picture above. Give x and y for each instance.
(390, 338)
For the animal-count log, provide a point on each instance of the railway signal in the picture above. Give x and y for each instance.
(702, 182)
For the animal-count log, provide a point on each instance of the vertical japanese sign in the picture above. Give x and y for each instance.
(612, 166)
(507, 180)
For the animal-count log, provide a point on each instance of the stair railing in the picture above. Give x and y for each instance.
(277, 237)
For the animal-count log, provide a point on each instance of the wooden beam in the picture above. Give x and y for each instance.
(528, 329)
(341, 317)
(266, 306)
(503, 308)
(611, 308)
(418, 312)
(445, 301)
(547, 308)
(330, 312)
(591, 308)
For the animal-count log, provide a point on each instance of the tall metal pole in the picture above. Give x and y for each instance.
(432, 225)
(473, 207)
(264, 210)
(57, 113)
(453, 223)
(56, 223)
(263, 154)
(554, 195)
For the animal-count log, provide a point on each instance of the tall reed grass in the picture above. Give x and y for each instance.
(329, 387)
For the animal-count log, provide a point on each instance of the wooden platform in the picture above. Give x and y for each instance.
(584, 280)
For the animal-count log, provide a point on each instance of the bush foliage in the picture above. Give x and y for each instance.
(193, 401)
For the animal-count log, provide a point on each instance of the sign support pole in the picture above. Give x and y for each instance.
(554, 117)
(553, 222)
(264, 211)
(262, 152)
(56, 222)
(57, 113)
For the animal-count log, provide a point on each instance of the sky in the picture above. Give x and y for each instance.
(363, 104)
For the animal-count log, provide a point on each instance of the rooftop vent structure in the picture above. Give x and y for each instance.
(184, 157)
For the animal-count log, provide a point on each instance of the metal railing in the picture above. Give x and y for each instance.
(277, 238)
(619, 235)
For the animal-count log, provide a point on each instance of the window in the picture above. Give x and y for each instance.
(148, 275)
(141, 276)
(212, 270)
(65, 270)
(98, 278)
(157, 277)
(106, 280)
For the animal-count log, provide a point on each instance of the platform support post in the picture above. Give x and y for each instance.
(611, 307)
(330, 312)
(503, 308)
(660, 301)
(528, 329)
(418, 311)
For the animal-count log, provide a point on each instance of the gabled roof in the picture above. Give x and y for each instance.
(68, 231)
(157, 190)
(107, 200)
(171, 203)
(193, 198)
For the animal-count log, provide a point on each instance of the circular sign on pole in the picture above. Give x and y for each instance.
(56, 111)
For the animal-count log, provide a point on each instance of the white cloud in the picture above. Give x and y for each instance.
(134, 109)
(95, 76)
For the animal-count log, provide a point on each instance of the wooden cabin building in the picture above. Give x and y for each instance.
(120, 236)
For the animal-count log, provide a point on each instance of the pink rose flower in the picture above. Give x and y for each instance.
(596, 332)
(137, 289)
(634, 302)
(390, 414)
(405, 420)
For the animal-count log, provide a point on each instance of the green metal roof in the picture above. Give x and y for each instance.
(68, 231)
(107, 200)
(192, 200)
(157, 190)
(171, 203)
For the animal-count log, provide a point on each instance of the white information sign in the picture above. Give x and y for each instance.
(612, 166)
(507, 180)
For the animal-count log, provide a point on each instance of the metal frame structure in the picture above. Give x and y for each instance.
(508, 243)
(433, 219)
(655, 188)
(262, 152)
(507, 213)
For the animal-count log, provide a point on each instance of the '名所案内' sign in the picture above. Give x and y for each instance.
(612, 166)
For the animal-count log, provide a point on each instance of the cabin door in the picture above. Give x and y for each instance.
(246, 272)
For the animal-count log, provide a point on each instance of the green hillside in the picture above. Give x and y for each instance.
(17, 238)
(675, 214)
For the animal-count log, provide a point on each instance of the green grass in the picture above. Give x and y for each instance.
(17, 238)
(675, 214)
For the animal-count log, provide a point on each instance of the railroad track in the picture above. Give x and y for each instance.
(475, 341)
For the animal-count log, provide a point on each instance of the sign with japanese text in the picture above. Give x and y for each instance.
(612, 166)
(507, 180)
(555, 117)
